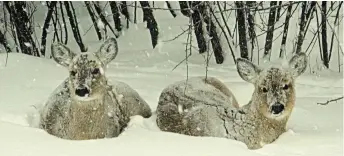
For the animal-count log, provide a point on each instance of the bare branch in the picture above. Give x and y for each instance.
(332, 100)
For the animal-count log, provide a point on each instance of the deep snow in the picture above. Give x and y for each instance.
(26, 82)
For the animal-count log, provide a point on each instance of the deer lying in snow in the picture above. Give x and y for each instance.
(205, 107)
(85, 106)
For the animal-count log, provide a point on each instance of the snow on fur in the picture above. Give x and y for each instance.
(85, 106)
(209, 110)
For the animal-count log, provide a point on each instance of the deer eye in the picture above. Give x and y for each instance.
(264, 89)
(95, 71)
(73, 73)
(285, 87)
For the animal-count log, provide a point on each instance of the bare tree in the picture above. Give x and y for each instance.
(170, 8)
(198, 27)
(251, 25)
(285, 32)
(184, 8)
(270, 31)
(241, 29)
(103, 20)
(223, 31)
(305, 15)
(278, 13)
(333, 33)
(125, 12)
(326, 59)
(4, 42)
(116, 15)
(151, 23)
(93, 18)
(64, 23)
(51, 7)
(211, 28)
(73, 22)
(56, 23)
(21, 21)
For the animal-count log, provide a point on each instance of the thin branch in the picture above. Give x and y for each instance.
(227, 39)
(332, 100)
(261, 9)
(333, 33)
(64, 24)
(51, 9)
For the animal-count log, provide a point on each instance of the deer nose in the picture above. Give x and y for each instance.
(82, 91)
(277, 108)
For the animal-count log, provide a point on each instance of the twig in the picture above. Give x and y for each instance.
(180, 34)
(332, 100)
(261, 9)
(335, 22)
(189, 39)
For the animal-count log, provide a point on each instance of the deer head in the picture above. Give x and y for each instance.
(86, 70)
(274, 92)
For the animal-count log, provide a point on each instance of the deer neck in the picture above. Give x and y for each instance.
(268, 129)
(87, 119)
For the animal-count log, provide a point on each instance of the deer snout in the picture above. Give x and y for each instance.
(277, 108)
(82, 91)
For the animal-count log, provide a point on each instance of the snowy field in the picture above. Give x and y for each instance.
(26, 82)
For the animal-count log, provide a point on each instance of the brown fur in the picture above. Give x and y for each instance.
(103, 111)
(207, 108)
(223, 88)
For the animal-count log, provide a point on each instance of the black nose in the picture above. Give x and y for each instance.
(82, 91)
(277, 108)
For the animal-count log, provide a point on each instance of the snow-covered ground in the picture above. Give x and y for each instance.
(26, 82)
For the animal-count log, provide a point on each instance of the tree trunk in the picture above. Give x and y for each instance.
(3, 41)
(198, 28)
(75, 28)
(51, 7)
(241, 29)
(64, 24)
(335, 23)
(116, 15)
(135, 10)
(278, 14)
(270, 31)
(211, 28)
(223, 30)
(171, 10)
(23, 28)
(285, 32)
(124, 11)
(251, 25)
(324, 34)
(151, 23)
(184, 8)
(309, 16)
(93, 18)
(302, 27)
(103, 19)
(318, 34)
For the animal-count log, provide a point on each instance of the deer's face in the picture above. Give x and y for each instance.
(86, 70)
(274, 94)
(274, 91)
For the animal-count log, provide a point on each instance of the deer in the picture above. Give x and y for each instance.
(204, 107)
(85, 105)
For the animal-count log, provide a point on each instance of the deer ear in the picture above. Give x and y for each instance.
(62, 54)
(108, 50)
(247, 70)
(298, 64)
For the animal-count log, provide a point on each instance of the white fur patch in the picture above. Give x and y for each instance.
(180, 108)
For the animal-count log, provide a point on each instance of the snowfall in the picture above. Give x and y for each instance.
(27, 81)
